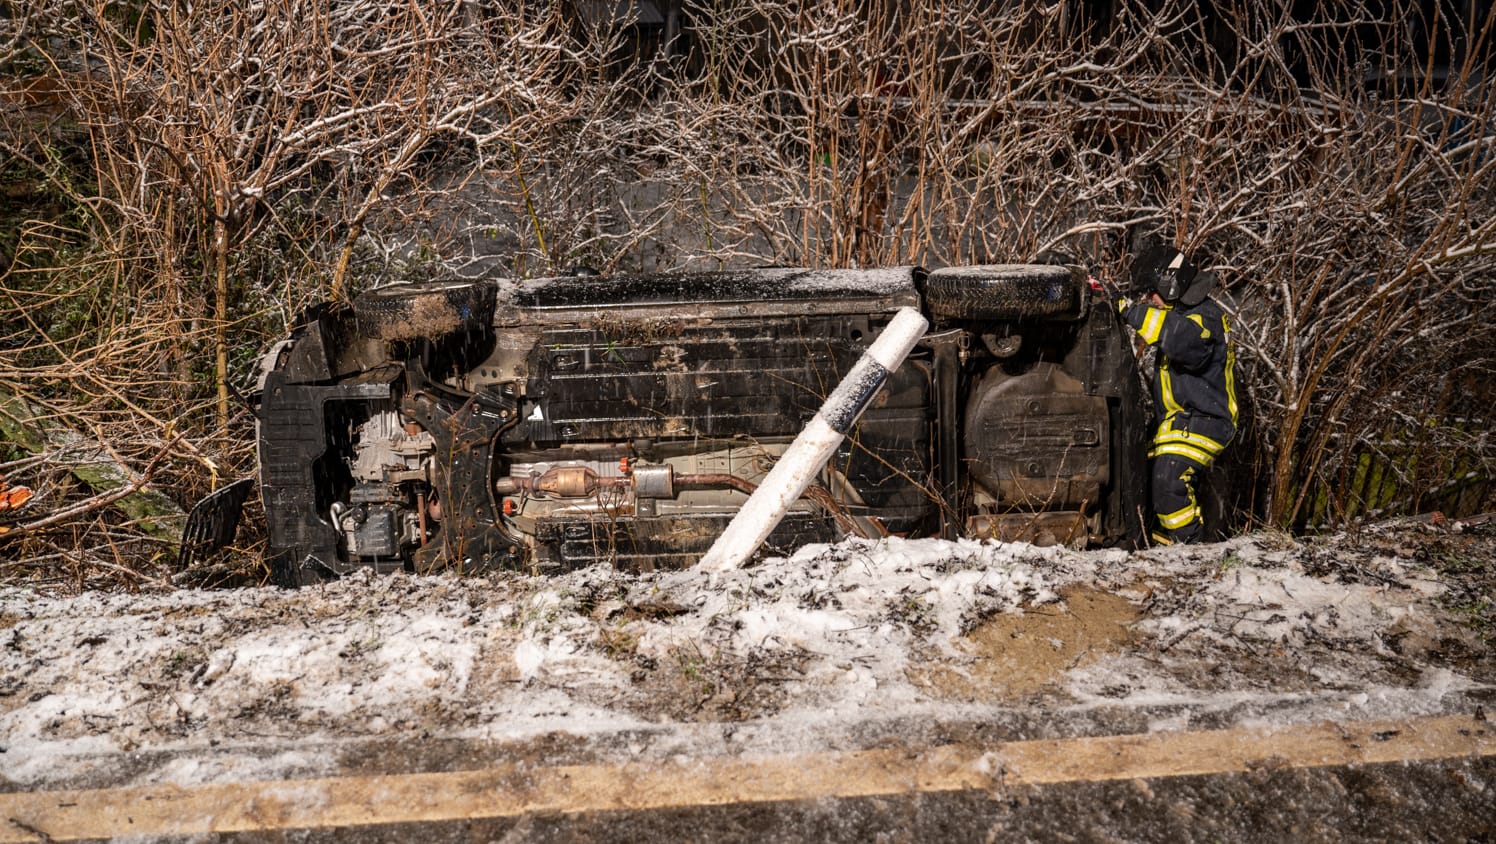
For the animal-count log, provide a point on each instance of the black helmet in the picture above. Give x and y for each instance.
(1173, 276)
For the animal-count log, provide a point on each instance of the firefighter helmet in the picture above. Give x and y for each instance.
(1173, 276)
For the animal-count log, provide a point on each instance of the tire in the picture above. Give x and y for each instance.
(1004, 291)
(416, 311)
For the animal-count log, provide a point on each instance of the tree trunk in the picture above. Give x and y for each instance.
(221, 310)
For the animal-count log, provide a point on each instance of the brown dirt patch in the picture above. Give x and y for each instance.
(1017, 655)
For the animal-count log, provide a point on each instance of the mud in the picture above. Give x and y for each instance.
(1015, 656)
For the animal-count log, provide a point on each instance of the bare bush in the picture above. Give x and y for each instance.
(201, 174)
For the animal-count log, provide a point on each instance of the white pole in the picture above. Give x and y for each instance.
(803, 460)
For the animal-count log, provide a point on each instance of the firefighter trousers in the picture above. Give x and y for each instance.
(1183, 448)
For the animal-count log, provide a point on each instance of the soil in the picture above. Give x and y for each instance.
(1015, 656)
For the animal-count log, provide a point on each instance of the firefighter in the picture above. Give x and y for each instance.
(1194, 396)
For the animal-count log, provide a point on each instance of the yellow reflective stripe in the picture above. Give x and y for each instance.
(1160, 539)
(1169, 425)
(1192, 454)
(1153, 325)
(1199, 441)
(1180, 518)
(1166, 388)
(1188, 452)
(1230, 367)
(1200, 321)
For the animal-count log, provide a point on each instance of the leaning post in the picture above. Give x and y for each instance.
(802, 461)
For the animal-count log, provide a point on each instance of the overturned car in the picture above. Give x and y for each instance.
(545, 424)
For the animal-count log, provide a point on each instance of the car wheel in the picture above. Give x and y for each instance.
(414, 311)
(1004, 291)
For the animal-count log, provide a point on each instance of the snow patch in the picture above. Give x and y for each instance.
(791, 653)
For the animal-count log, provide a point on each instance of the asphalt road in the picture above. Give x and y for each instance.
(1431, 778)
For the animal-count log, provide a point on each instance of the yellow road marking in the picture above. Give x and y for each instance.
(511, 791)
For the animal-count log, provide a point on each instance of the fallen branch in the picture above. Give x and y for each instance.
(96, 502)
(30, 427)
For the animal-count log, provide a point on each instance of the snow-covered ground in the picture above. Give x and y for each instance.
(832, 647)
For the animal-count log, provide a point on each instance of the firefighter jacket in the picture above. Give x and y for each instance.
(1194, 388)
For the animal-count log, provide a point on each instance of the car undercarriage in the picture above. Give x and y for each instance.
(547, 424)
